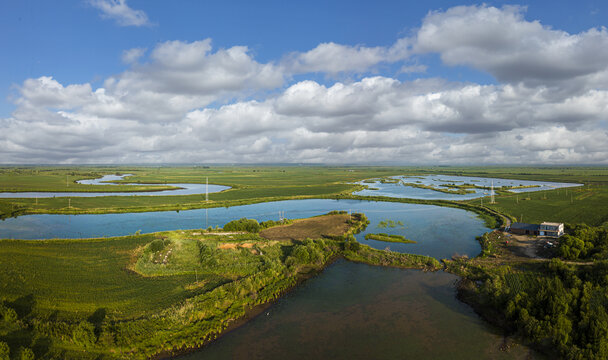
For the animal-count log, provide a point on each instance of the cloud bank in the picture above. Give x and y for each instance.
(185, 102)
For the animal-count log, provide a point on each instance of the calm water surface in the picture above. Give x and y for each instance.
(356, 311)
(440, 232)
(401, 191)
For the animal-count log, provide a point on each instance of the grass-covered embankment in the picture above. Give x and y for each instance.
(356, 252)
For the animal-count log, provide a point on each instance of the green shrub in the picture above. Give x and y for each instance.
(156, 245)
(84, 334)
(244, 224)
(4, 351)
(26, 354)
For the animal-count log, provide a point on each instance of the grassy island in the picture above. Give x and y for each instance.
(389, 238)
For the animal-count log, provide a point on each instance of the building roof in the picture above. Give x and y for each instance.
(551, 223)
(524, 226)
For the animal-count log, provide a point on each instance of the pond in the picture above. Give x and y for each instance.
(185, 189)
(399, 190)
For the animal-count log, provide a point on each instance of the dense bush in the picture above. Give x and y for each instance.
(84, 334)
(584, 242)
(244, 224)
(156, 245)
(562, 308)
(4, 351)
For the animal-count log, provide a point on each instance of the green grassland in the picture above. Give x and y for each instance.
(64, 180)
(586, 204)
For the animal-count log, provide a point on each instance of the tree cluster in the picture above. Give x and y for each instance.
(584, 242)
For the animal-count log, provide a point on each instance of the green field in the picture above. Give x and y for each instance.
(587, 204)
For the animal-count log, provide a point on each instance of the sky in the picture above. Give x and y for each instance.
(336, 82)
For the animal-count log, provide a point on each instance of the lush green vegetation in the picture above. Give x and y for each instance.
(559, 308)
(586, 204)
(584, 242)
(389, 238)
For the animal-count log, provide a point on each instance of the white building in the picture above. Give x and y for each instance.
(551, 229)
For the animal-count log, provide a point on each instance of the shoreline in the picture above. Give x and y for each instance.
(250, 313)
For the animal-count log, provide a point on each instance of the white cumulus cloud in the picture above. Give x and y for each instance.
(119, 11)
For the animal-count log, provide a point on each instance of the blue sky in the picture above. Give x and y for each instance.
(83, 43)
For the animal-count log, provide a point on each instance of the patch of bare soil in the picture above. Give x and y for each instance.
(230, 246)
(525, 246)
(313, 228)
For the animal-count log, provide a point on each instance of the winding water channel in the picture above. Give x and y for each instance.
(184, 189)
(398, 190)
(349, 311)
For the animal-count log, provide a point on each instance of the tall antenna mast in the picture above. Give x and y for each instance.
(492, 193)
(207, 189)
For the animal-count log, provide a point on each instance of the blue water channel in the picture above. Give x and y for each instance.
(399, 190)
(440, 232)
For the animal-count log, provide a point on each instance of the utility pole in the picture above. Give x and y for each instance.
(207, 189)
(69, 203)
